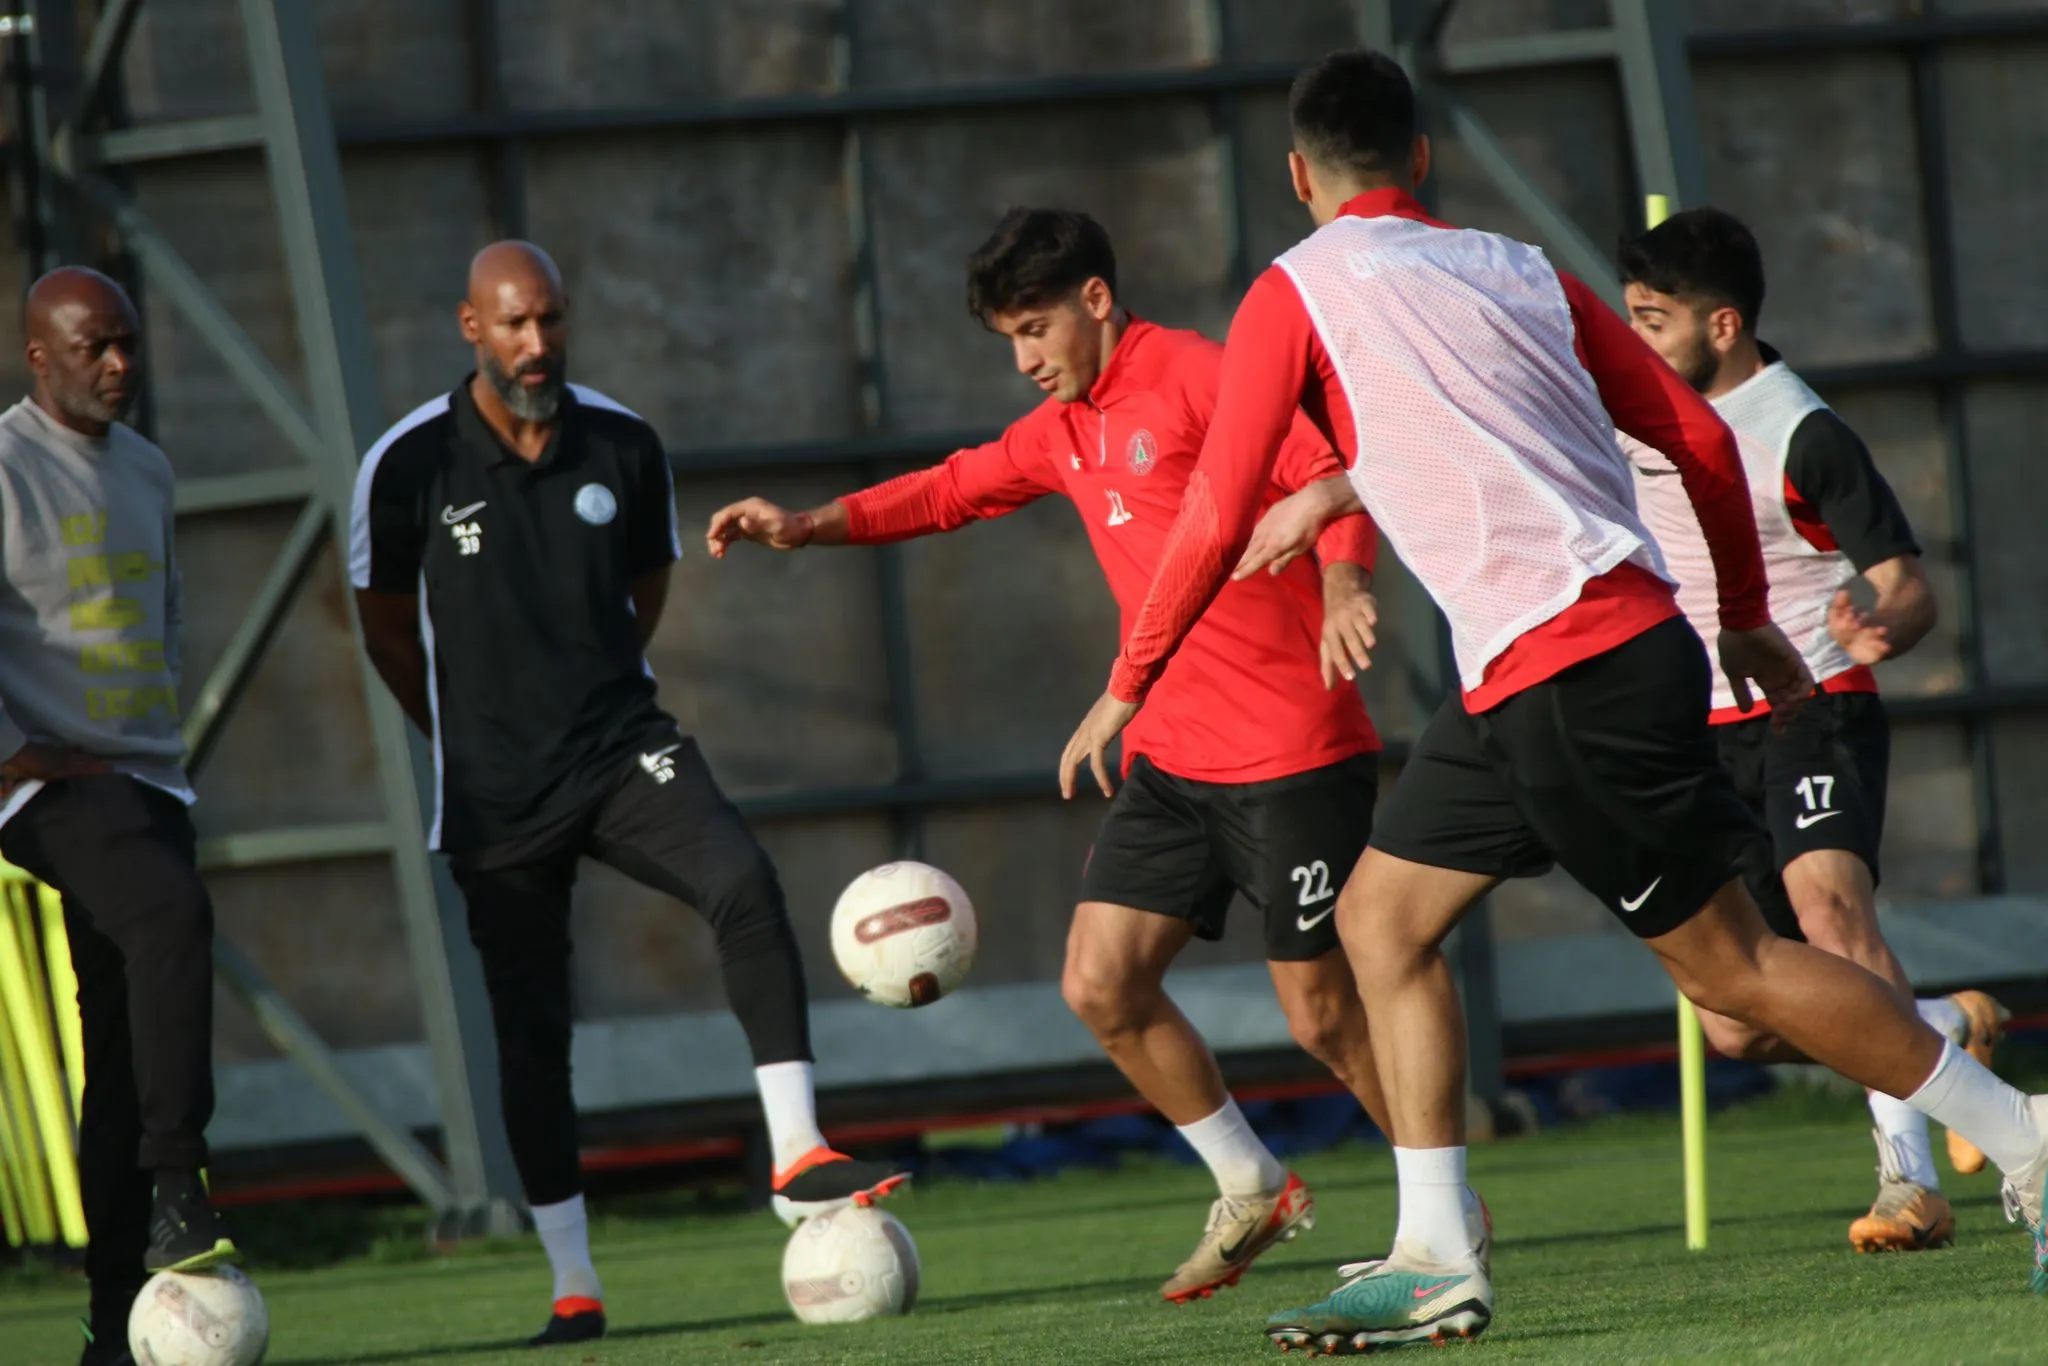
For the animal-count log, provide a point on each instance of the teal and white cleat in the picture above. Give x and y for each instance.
(1400, 1302)
(2023, 1192)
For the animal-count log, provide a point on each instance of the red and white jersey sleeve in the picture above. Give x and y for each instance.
(970, 485)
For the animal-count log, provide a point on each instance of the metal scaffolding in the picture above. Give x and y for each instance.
(70, 159)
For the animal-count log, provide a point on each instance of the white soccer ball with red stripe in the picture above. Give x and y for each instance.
(903, 934)
(852, 1264)
(205, 1318)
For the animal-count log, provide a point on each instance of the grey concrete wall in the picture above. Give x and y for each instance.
(711, 286)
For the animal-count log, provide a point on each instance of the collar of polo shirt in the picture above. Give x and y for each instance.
(478, 436)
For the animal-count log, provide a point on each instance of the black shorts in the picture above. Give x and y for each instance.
(1178, 847)
(1820, 785)
(1606, 770)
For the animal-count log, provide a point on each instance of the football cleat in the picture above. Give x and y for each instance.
(1907, 1216)
(1400, 1302)
(822, 1181)
(575, 1319)
(2022, 1191)
(1239, 1229)
(1986, 1030)
(184, 1232)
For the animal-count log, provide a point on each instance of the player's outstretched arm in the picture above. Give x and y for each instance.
(1904, 613)
(766, 523)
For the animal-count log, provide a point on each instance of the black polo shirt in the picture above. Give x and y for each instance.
(542, 695)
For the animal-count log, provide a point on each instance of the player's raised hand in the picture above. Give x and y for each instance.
(1350, 616)
(1765, 657)
(1290, 527)
(1103, 723)
(1865, 638)
(759, 521)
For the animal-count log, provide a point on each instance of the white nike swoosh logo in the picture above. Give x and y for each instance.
(1807, 818)
(452, 515)
(1305, 922)
(661, 753)
(1631, 905)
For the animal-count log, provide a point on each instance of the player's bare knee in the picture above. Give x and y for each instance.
(1734, 1039)
(1839, 923)
(1110, 1003)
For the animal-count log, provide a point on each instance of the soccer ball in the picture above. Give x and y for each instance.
(210, 1318)
(903, 934)
(852, 1264)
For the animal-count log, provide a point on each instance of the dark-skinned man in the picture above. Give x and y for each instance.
(95, 788)
(510, 550)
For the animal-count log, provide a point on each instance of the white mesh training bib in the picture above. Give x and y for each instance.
(1483, 450)
(1764, 411)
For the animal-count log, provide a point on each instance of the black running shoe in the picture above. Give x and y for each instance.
(584, 1325)
(184, 1232)
(822, 1181)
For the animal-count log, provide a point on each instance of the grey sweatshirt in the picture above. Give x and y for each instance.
(89, 606)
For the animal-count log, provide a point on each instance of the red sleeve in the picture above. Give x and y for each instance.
(970, 485)
(1650, 402)
(1265, 364)
(1305, 458)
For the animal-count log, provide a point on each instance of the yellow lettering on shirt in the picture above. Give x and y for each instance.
(107, 614)
(110, 704)
(97, 571)
(87, 528)
(123, 657)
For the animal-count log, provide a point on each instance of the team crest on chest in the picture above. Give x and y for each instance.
(1142, 453)
(595, 504)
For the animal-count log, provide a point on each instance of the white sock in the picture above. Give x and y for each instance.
(1433, 1205)
(1238, 1158)
(1967, 1097)
(1904, 1130)
(1945, 1017)
(791, 1107)
(565, 1233)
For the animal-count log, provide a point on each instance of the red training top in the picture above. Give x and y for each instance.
(1277, 360)
(1244, 700)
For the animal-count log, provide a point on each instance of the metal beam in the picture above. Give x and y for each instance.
(487, 95)
(169, 274)
(296, 844)
(182, 138)
(101, 68)
(295, 1039)
(249, 489)
(1930, 31)
(232, 672)
(1656, 81)
(1567, 47)
(334, 334)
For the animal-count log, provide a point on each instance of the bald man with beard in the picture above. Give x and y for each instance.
(510, 549)
(93, 793)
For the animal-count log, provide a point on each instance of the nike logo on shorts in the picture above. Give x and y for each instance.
(1635, 903)
(451, 514)
(1806, 818)
(1305, 923)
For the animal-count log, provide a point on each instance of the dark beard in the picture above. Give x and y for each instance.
(527, 404)
(1700, 365)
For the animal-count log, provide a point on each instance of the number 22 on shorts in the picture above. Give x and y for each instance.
(1313, 880)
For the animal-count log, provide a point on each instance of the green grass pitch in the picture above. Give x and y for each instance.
(1590, 1267)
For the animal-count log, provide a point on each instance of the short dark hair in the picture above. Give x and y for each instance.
(1703, 256)
(1036, 257)
(1354, 111)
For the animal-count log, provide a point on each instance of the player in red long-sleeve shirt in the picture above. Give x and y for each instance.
(1473, 393)
(1256, 768)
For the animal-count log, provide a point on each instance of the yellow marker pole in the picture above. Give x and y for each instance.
(23, 1151)
(1692, 1044)
(64, 995)
(40, 1049)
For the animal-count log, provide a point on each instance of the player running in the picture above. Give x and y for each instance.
(1255, 772)
(510, 549)
(1824, 514)
(1469, 387)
